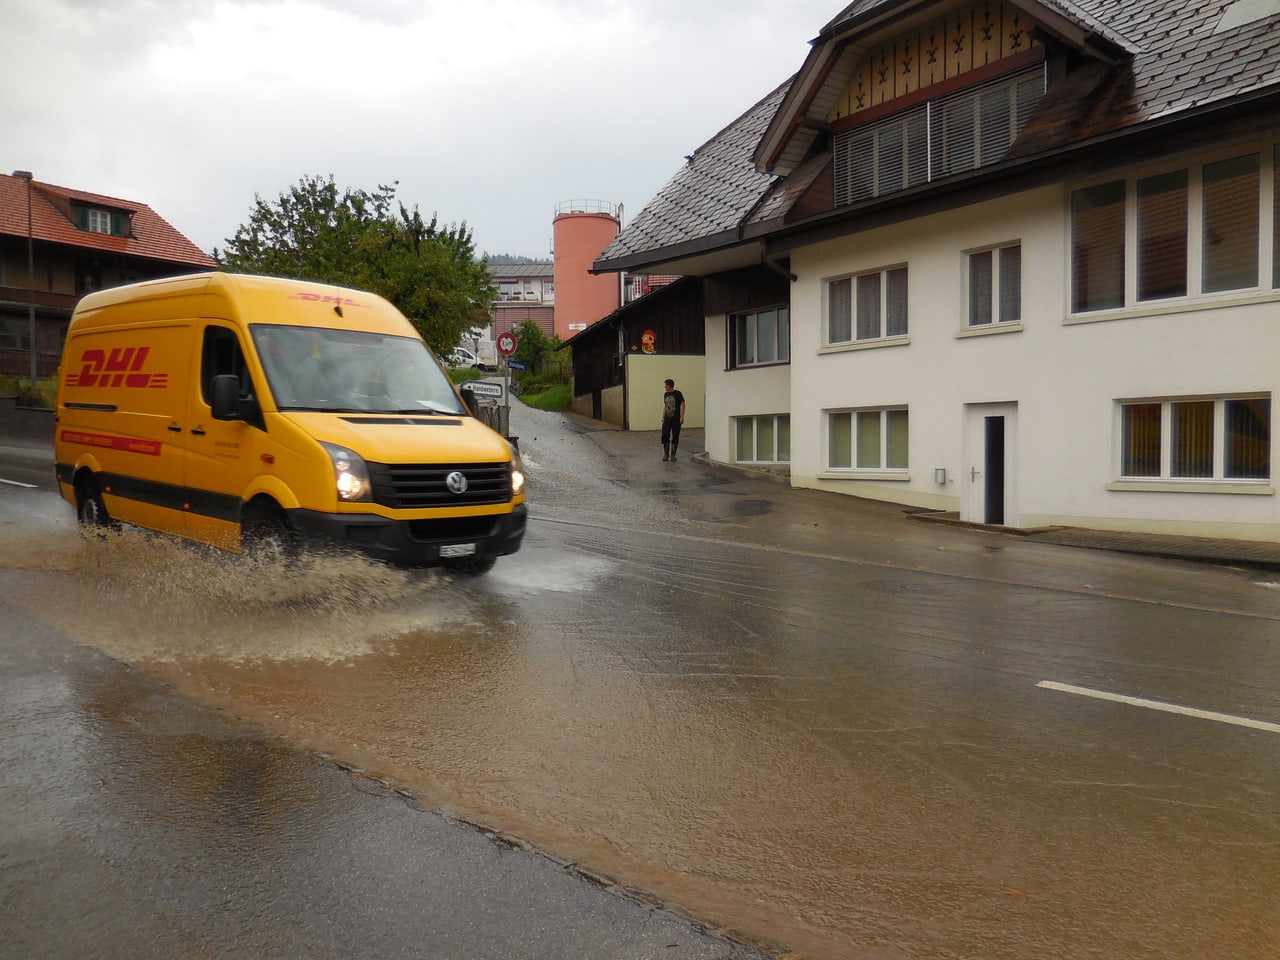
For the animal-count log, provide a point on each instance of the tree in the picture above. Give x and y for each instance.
(532, 345)
(369, 241)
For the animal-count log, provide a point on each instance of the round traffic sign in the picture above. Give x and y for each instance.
(506, 344)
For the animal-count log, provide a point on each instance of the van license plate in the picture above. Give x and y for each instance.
(458, 550)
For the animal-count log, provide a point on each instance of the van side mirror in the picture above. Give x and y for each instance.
(226, 397)
(469, 400)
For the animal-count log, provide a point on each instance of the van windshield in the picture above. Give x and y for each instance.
(351, 371)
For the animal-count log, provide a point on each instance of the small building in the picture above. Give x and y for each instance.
(524, 291)
(74, 242)
(620, 361)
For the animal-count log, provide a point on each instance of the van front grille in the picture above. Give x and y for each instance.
(407, 486)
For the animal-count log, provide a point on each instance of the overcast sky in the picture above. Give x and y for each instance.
(485, 111)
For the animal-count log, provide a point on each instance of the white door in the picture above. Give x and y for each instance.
(991, 448)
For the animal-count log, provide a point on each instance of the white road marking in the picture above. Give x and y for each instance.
(1160, 705)
(15, 483)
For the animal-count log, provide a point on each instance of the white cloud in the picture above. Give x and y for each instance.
(489, 111)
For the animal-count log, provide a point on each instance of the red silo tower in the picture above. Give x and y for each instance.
(580, 232)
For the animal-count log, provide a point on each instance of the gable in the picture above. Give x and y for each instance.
(975, 37)
(879, 54)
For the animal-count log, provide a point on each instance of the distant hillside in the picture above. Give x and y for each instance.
(506, 259)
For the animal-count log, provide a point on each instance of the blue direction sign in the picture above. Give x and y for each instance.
(517, 365)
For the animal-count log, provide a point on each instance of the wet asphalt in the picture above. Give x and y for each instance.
(110, 847)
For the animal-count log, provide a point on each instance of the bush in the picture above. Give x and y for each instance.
(557, 397)
(463, 374)
(44, 395)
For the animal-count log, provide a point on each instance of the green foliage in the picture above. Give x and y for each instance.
(532, 345)
(556, 397)
(369, 241)
(463, 374)
(544, 371)
(44, 395)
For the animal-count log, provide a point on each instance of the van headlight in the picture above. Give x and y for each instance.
(517, 479)
(350, 475)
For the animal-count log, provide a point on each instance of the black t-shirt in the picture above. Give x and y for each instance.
(672, 400)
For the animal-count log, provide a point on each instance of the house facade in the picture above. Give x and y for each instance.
(57, 244)
(523, 291)
(1032, 252)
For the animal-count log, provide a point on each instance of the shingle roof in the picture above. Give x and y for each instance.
(153, 238)
(1164, 58)
(709, 196)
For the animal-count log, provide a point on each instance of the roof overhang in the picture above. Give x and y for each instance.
(695, 259)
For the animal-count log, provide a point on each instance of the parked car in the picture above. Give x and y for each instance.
(462, 357)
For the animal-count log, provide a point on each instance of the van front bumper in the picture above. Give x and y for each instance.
(416, 543)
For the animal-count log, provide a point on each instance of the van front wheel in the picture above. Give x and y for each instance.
(266, 537)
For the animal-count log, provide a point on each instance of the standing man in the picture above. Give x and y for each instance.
(672, 420)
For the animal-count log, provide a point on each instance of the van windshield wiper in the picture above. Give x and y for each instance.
(322, 410)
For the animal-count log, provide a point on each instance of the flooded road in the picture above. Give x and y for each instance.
(813, 723)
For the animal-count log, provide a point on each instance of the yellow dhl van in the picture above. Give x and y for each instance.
(250, 412)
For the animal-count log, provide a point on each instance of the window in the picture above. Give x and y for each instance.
(222, 355)
(995, 285)
(762, 336)
(1162, 236)
(1189, 232)
(965, 130)
(869, 306)
(867, 440)
(1231, 224)
(1097, 247)
(884, 157)
(1196, 439)
(97, 221)
(765, 439)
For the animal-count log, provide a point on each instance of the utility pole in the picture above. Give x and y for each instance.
(31, 279)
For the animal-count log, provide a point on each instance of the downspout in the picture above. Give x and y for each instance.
(777, 268)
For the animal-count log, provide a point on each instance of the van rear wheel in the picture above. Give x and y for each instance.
(91, 512)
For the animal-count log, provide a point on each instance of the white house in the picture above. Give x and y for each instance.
(1033, 251)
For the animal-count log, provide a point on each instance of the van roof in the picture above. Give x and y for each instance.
(294, 302)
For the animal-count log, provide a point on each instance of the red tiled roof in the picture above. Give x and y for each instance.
(153, 238)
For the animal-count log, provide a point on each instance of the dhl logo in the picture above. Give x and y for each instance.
(326, 298)
(122, 367)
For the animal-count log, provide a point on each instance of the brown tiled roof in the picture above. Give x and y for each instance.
(152, 236)
(1158, 61)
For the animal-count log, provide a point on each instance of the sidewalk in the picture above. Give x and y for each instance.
(1261, 555)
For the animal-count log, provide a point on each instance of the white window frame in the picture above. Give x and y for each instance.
(998, 319)
(882, 337)
(98, 221)
(1268, 280)
(1219, 482)
(751, 319)
(777, 420)
(856, 415)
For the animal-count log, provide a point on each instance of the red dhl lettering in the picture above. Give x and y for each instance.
(326, 298)
(149, 448)
(121, 367)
